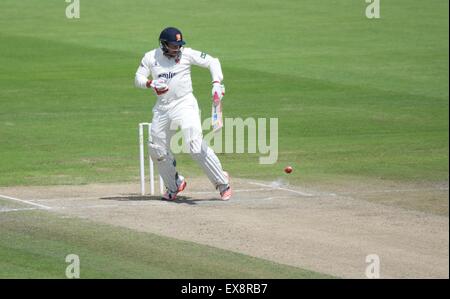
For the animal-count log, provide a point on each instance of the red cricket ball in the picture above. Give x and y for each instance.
(288, 169)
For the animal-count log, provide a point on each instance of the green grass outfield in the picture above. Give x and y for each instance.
(356, 98)
(35, 245)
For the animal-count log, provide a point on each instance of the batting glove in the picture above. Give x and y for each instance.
(159, 85)
(218, 91)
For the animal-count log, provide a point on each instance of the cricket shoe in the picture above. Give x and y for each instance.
(227, 193)
(181, 182)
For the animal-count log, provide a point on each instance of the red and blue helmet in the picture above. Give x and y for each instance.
(171, 36)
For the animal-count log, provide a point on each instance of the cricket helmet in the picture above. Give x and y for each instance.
(171, 36)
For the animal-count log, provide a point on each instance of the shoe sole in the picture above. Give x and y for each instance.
(181, 188)
(227, 197)
(229, 183)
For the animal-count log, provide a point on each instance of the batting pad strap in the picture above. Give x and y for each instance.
(158, 153)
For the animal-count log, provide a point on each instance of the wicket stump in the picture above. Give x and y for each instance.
(150, 161)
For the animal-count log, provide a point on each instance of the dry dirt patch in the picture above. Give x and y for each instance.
(322, 231)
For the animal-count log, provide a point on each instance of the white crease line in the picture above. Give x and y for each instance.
(267, 188)
(15, 210)
(281, 188)
(394, 191)
(138, 195)
(74, 198)
(26, 201)
(86, 207)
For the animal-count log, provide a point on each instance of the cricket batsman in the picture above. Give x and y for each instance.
(167, 72)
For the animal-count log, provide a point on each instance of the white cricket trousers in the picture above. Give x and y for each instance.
(184, 113)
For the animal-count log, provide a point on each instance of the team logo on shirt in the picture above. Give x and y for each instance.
(168, 75)
(203, 55)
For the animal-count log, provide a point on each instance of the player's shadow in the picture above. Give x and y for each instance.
(180, 199)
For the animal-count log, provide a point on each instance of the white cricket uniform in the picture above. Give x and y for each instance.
(179, 107)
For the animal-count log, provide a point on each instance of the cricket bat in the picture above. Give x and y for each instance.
(216, 117)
